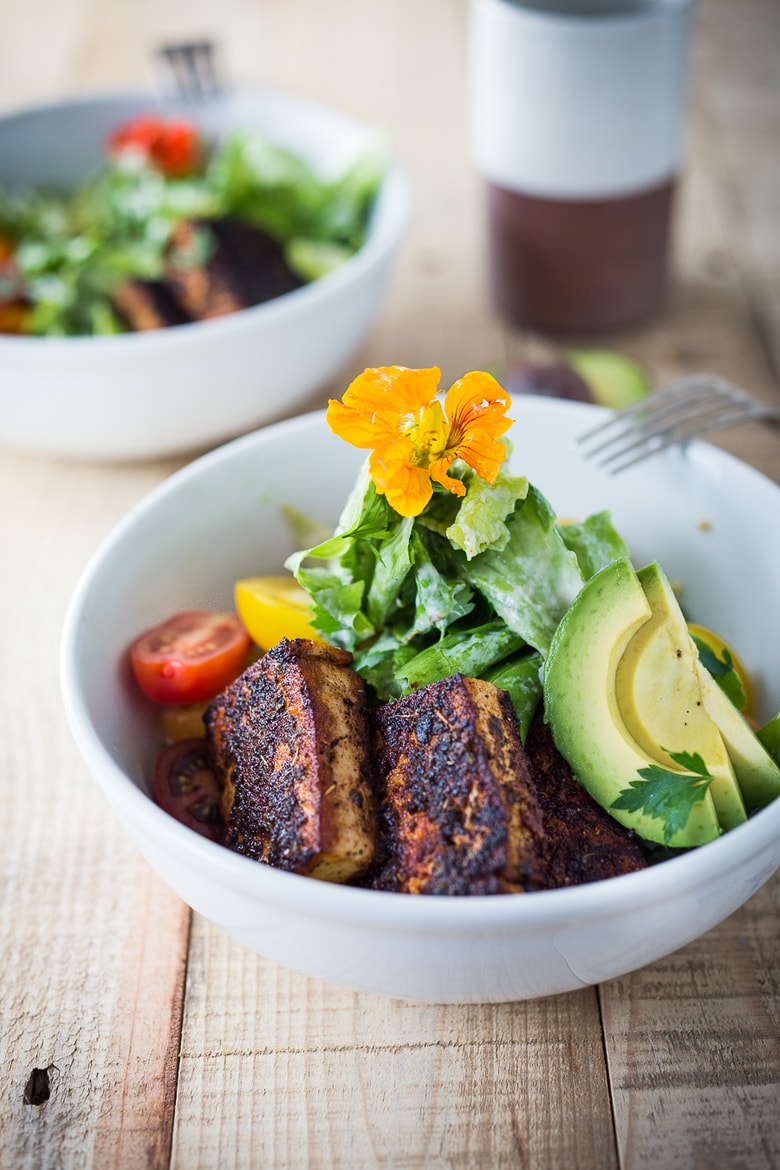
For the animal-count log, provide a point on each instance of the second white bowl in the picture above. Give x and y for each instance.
(182, 389)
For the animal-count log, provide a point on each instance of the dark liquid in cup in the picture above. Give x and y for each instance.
(578, 266)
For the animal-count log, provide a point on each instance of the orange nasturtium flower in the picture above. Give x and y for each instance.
(413, 438)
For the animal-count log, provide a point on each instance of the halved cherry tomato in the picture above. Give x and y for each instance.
(182, 720)
(273, 608)
(171, 146)
(191, 656)
(185, 786)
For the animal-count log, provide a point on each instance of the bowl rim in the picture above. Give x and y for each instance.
(543, 908)
(386, 225)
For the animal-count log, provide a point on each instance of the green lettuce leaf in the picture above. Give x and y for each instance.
(481, 521)
(521, 677)
(595, 542)
(533, 580)
(463, 652)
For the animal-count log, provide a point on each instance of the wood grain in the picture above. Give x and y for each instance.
(319, 1077)
(93, 945)
(692, 1045)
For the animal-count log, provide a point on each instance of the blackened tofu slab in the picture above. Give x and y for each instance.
(584, 843)
(148, 304)
(459, 810)
(291, 747)
(245, 267)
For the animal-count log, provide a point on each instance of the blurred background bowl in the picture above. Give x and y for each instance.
(221, 518)
(186, 388)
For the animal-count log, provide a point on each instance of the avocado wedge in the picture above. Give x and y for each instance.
(582, 709)
(659, 694)
(757, 772)
(631, 707)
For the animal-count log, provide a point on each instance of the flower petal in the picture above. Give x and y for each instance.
(380, 403)
(476, 407)
(477, 400)
(406, 488)
(438, 472)
(484, 455)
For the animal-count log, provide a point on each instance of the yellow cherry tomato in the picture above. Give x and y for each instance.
(718, 645)
(183, 721)
(273, 608)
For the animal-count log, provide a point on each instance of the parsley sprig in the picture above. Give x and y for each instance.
(665, 795)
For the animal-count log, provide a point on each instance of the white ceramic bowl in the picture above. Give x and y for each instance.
(703, 514)
(184, 389)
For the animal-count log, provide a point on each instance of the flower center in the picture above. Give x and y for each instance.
(428, 436)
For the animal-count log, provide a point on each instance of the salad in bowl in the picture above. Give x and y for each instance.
(455, 691)
(174, 275)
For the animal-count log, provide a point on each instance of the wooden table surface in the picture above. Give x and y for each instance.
(164, 1043)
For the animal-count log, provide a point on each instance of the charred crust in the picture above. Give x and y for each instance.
(445, 815)
(584, 843)
(442, 794)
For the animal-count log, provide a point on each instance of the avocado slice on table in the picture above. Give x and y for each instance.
(582, 707)
(659, 694)
(614, 379)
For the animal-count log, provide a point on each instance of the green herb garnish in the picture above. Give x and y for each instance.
(665, 795)
(723, 671)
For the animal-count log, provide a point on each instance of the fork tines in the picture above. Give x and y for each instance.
(193, 67)
(686, 409)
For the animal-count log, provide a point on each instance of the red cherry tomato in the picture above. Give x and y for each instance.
(171, 146)
(185, 786)
(191, 656)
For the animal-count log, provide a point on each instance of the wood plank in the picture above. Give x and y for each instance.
(739, 58)
(693, 1049)
(93, 945)
(281, 1070)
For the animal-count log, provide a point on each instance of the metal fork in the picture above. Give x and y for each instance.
(194, 71)
(683, 410)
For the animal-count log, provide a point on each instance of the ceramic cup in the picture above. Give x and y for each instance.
(577, 118)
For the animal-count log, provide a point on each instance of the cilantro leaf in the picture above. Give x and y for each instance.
(667, 796)
(722, 670)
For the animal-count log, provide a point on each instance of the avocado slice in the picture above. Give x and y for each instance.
(757, 773)
(769, 735)
(582, 708)
(659, 696)
(614, 379)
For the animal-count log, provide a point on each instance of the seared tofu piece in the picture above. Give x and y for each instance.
(244, 266)
(148, 304)
(458, 808)
(584, 843)
(291, 746)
